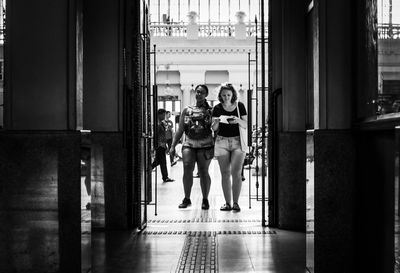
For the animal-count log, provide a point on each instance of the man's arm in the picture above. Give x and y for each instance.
(179, 131)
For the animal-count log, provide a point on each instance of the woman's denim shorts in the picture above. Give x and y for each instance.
(227, 145)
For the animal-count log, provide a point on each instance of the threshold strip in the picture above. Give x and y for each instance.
(204, 220)
(210, 233)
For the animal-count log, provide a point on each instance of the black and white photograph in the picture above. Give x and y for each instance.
(219, 136)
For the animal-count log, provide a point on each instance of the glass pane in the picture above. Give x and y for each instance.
(253, 10)
(164, 11)
(388, 11)
(194, 5)
(224, 12)
(244, 6)
(203, 15)
(387, 101)
(160, 104)
(174, 8)
(154, 16)
(234, 9)
(214, 10)
(168, 105)
(177, 106)
(184, 9)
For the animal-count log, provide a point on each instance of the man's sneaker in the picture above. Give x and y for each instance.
(185, 203)
(205, 205)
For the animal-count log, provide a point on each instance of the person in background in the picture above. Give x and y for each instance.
(197, 145)
(168, 135)
(161, 147)
(228, 150)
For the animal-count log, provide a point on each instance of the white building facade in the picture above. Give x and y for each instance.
(203, 50)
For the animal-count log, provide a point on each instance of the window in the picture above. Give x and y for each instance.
(1, 70)
(170, 103)
(174, 11)
(224, 11)
(214, 11)
(387, 99)
(194, 5)
(203, 13)
(154, 12)
(183, 10)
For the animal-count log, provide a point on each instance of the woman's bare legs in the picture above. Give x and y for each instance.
(188, 167)
(224, 162)
(205, 180)
(237, 159)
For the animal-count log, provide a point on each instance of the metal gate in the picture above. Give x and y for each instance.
(138, 112)
(260, 135)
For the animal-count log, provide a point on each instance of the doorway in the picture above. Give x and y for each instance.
(192, 50)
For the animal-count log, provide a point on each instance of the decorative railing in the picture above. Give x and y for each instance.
(205, 30)
(385, 31)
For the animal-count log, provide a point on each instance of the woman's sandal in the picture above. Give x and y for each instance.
(226, 207)
(235, 207)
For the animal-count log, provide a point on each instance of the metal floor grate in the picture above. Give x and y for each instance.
(199, 254)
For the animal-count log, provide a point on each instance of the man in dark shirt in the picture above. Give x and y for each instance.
(161, 147)
(169, 134)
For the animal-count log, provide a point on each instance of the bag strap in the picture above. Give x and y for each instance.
(237, 108)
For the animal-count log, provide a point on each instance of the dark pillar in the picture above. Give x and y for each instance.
(375, 201)
(334, 195)
(334, 141)
(103, 45)
(288, 73)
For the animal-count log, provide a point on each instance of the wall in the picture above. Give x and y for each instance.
(40, 202)
(102, 65)
(39, 81)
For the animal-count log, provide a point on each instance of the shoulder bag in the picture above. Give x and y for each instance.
(243, 134)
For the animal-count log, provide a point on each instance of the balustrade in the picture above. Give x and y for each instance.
(386, 31)
(213, 30)
(205, 30)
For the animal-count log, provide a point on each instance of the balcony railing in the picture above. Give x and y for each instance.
(205, 30)
(386, 31)
(212, 30)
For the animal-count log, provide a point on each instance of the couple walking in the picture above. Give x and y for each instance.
(197, 122)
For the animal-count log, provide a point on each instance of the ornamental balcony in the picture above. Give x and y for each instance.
(215, 30)
(206, 30)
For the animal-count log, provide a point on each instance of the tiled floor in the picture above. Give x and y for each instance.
(182, 240)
